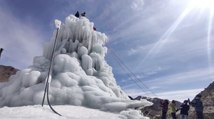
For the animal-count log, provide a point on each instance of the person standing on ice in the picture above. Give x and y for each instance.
(94, 28)
(164, 104)
(83, 14)
(77, 14)
(1, 50)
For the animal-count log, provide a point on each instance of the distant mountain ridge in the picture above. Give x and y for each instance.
(6, 72)
(154, 111)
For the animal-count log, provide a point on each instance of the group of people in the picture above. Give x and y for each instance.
(184, 108)
(78, 15)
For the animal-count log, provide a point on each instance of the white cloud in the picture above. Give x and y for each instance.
(137, 4)
(21, 41)
(179, 95)
(132, 51)
(187, 77)
(139, 49)
(178, 86)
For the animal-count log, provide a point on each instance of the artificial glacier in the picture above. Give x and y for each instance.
(80, 74)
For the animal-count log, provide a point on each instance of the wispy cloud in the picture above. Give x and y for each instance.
(190, 77)
(169, 86)
(21, 41)
(179, 95)
(145, 21)
(139, 50)
(137, 4)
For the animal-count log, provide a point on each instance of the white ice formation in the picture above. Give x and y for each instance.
(81, 76)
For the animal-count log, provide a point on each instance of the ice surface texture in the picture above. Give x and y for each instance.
(81, 76)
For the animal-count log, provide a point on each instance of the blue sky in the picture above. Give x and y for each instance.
(163, 44)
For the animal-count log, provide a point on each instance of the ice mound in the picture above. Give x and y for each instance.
(80, 77)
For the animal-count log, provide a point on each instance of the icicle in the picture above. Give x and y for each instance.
(57, 23)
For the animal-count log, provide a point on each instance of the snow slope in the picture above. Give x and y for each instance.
(80, 75)
(68, 112)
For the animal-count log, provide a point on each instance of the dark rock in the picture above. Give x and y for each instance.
(6, 72)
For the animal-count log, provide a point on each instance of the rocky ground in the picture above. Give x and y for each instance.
(154, 111)
(6, 72)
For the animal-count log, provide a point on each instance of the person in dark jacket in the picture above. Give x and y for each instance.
(1, 50)
(184, 108)
(77, 14)
(94, 28)
(83, 14)
(198, 105)
(164, 104)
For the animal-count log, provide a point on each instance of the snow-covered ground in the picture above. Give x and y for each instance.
(67, 112)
